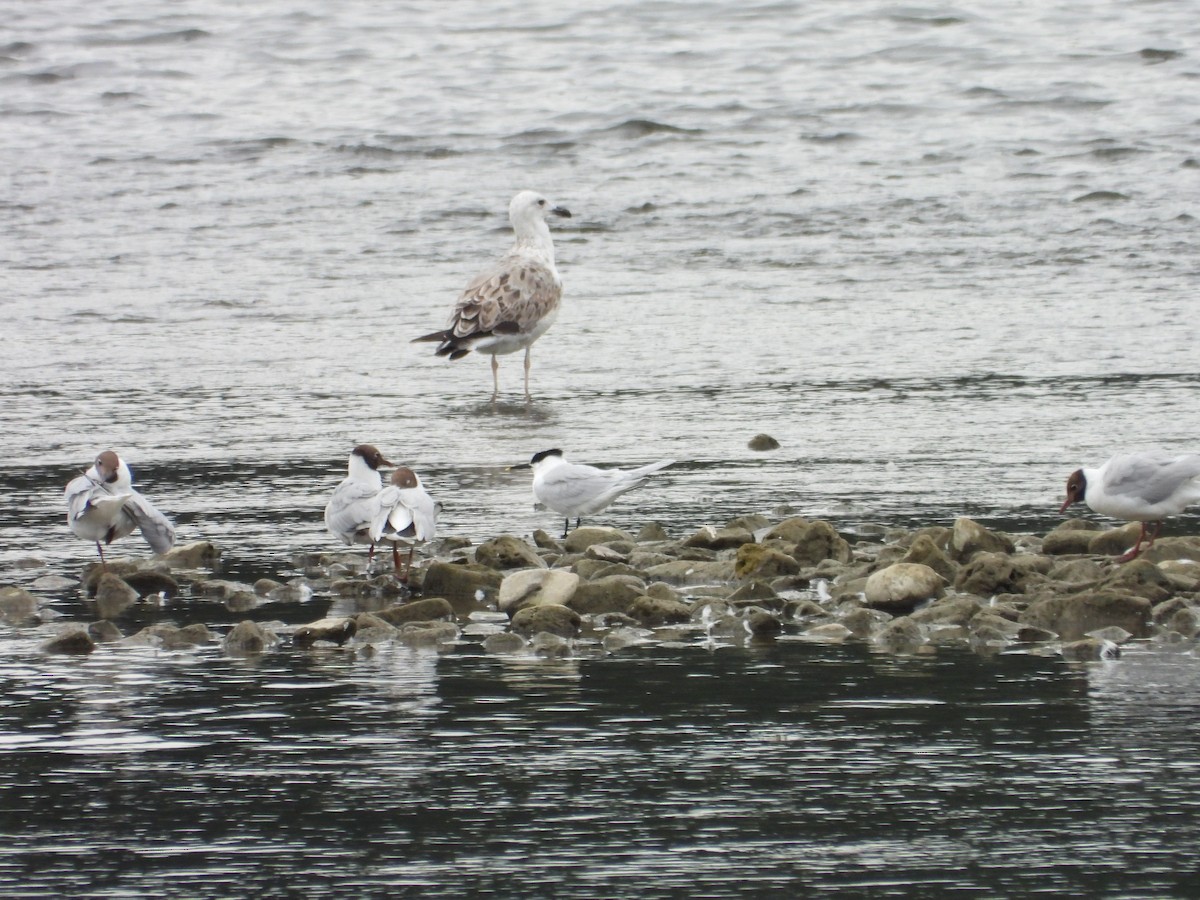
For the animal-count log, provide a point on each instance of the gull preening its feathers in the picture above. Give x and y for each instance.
(1138, 487)
(509, 306)
(363, 511)
(102, 506)
(576, 490)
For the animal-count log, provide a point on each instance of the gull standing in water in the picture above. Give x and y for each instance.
(103, 506)
(572, 489)
(1138, 487)
(509, 306)
(355, 504)
(407, 515)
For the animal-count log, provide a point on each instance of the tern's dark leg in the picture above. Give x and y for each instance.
(566, 525)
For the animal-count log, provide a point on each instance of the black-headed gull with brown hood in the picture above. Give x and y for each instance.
(102, 506)
(1141, 487)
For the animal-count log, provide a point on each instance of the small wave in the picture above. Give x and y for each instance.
(1154, 55)
(1101, 197)
(182, 36)
(640, 128)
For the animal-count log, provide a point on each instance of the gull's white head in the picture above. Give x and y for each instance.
(529, 209)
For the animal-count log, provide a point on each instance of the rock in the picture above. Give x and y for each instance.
(901, 636)
(582, 538)
(504, 643)
(969, 537)
(104, 632)
(923, 551)
(760, 624)
(864, 622)
(1074, 616)
(113, 596)
(170, 637)
(762, 561)
(557, 620)
(710, 538)
(152, 581)
(615, 593)
(462, 581)
(530, 587)
(662, 590)
(1028, 634)
(828, 633)
(1077, 571)
(605, 553)
(1141, 578)
(17, 606)
(987, 573)
(1116, 541)
(297, 590)
(508, 552)
(652, 532)
(429, 609)
(196, 555)
(1169, 549)
(819, 541)
(53, 583)
(761, 443)
(692, 572)
(370, 629)
(335, 630)
(264, 586)
(1089, 649)
(754, 592)
(247, 637)
(427, 634)
(241, 601)
(1071, 537)
(221, 589)
(950, 611)
(903, 586)
(544, 541)
(549, 645)
(73, 639)
(789, 531)
(1185, 621)
(653, 612)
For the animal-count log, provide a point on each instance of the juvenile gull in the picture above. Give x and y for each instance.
(1138, 487)
(103, 506)
(509, 306)
(573, 489)
(407, 515)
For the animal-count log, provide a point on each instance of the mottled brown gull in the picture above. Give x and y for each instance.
(512, 304)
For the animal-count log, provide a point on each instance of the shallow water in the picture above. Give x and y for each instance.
(943, 254)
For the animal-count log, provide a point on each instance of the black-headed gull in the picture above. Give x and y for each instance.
(355, 504)
(510, 305)
(102, 506)
(576, 490)
(1138, 487)
(407, 515)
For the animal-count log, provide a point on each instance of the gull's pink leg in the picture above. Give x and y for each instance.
(1136, 549)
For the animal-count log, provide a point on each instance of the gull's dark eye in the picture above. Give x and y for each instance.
(541, 203)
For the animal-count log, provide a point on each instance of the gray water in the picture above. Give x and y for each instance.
(943, 254)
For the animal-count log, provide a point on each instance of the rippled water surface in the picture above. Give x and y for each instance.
(944, 254)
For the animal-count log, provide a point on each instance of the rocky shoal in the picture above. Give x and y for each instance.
(601, 590)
